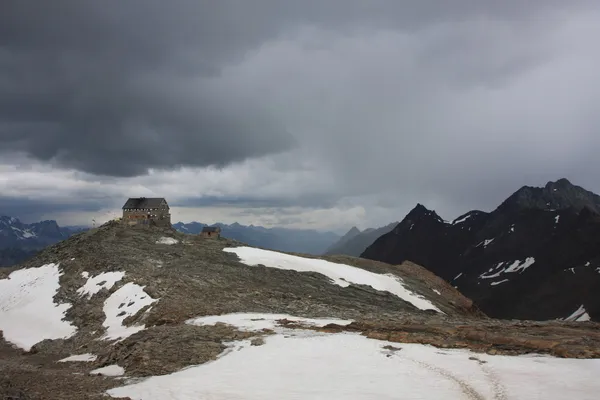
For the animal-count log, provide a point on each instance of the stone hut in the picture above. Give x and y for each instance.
(147, 211)
(211, 232)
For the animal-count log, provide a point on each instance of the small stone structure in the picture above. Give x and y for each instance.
(211, 232)
(147, 211)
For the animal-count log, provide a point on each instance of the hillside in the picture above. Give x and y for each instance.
(537, 256)
(116, 302)
(281, 239)
(355, 242)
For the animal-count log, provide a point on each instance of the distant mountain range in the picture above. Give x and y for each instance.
(19, 241)
(354, 242)
(281, 239)
(537, 256)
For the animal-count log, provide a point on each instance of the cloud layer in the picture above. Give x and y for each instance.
(279, 108)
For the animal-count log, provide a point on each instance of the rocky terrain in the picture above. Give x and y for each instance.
(128, 295)
(537, 256)
(355, 242)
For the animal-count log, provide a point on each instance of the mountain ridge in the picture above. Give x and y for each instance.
(354, 242)
(540, 243)
(308, 241)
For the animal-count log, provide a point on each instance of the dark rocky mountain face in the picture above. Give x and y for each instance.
(19, 241)
(281, 239)
(355, 242)
(537, 256)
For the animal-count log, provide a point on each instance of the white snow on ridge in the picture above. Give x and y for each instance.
(517, 266)
(87, 357)
(253, 322)
(485, 242)
(28, 313)
(126, 301)
(463, 219)
(350, 366)
(340, 274)
(580, 315)
(520, 266)
(109, 370)
(23, 233)
(104, 280)
(167, 240)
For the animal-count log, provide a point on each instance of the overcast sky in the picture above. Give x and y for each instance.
(315, 113)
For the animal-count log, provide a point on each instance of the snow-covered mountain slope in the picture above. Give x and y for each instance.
(537, 256)
(118, 302)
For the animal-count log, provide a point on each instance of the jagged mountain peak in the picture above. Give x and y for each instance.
(535, 257)
(555, 195)
(420, 213)
(352, 232)
(562, 182)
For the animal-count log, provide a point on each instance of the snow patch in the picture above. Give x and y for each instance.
(126, 301)
(105, 280)
(457, 276)
(253, 322)
(167, 240)
(580, 315)
(520, 266)
(350, 366)
(517, 266)
(463, 219)
(340, 274)
(109, 370)
(556, 219)
(80, 358)
(485, 242)
(28, 313)
(498, 282)
(436, 291)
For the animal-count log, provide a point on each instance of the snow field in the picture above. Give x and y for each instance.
(28, 313)
(350, 366)
(127, 300)
(340, 274)
(105, 280)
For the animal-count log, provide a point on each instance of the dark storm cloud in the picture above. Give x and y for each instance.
(33, 210)
(119, 88)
